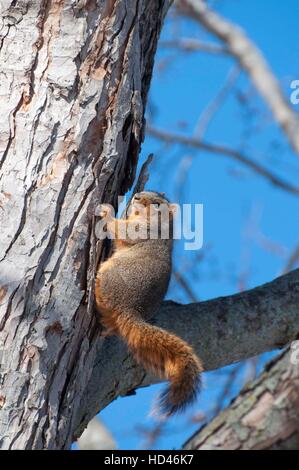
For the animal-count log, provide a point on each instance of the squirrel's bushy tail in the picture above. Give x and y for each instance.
(166, 355)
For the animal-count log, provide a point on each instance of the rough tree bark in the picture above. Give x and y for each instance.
(265, 415)
(74, 81)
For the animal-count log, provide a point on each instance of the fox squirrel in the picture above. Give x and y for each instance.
(129, 289)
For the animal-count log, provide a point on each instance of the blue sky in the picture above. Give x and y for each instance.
(234, 198)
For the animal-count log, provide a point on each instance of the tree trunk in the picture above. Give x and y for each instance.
(74, 81)
(265, 415)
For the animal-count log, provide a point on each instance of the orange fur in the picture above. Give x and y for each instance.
(130, 284)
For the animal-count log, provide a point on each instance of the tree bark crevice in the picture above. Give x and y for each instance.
(75, 97)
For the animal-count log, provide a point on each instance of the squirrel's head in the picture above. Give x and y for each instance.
(155, 209)
(153, 199)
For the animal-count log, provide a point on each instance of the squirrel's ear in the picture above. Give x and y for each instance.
(174, 208)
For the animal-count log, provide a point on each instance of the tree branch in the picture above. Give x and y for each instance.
(251, 60)
(264, 415)
(292, 260)
(222, 331)
(194, 45)
(226, 151)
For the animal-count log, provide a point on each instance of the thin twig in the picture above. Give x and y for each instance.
(251, 60)
(229, 382)
(226, 151)
(143, 175)
(215, 104)
(292, 261)
(194, 45)
(141, 181)
(185, 285)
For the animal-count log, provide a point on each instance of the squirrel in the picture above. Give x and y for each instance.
(130, 287)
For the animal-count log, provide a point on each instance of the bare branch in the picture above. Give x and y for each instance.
(141, 181)
(194, 45)
(215, 104)
(185, 285)
(229, 382)
(226, 151)
(250, 59)
(264, 416)
(143, 175)
(293, 260)
(222, 331)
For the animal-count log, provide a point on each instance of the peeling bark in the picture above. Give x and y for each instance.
(74, 79)
(265, 415)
